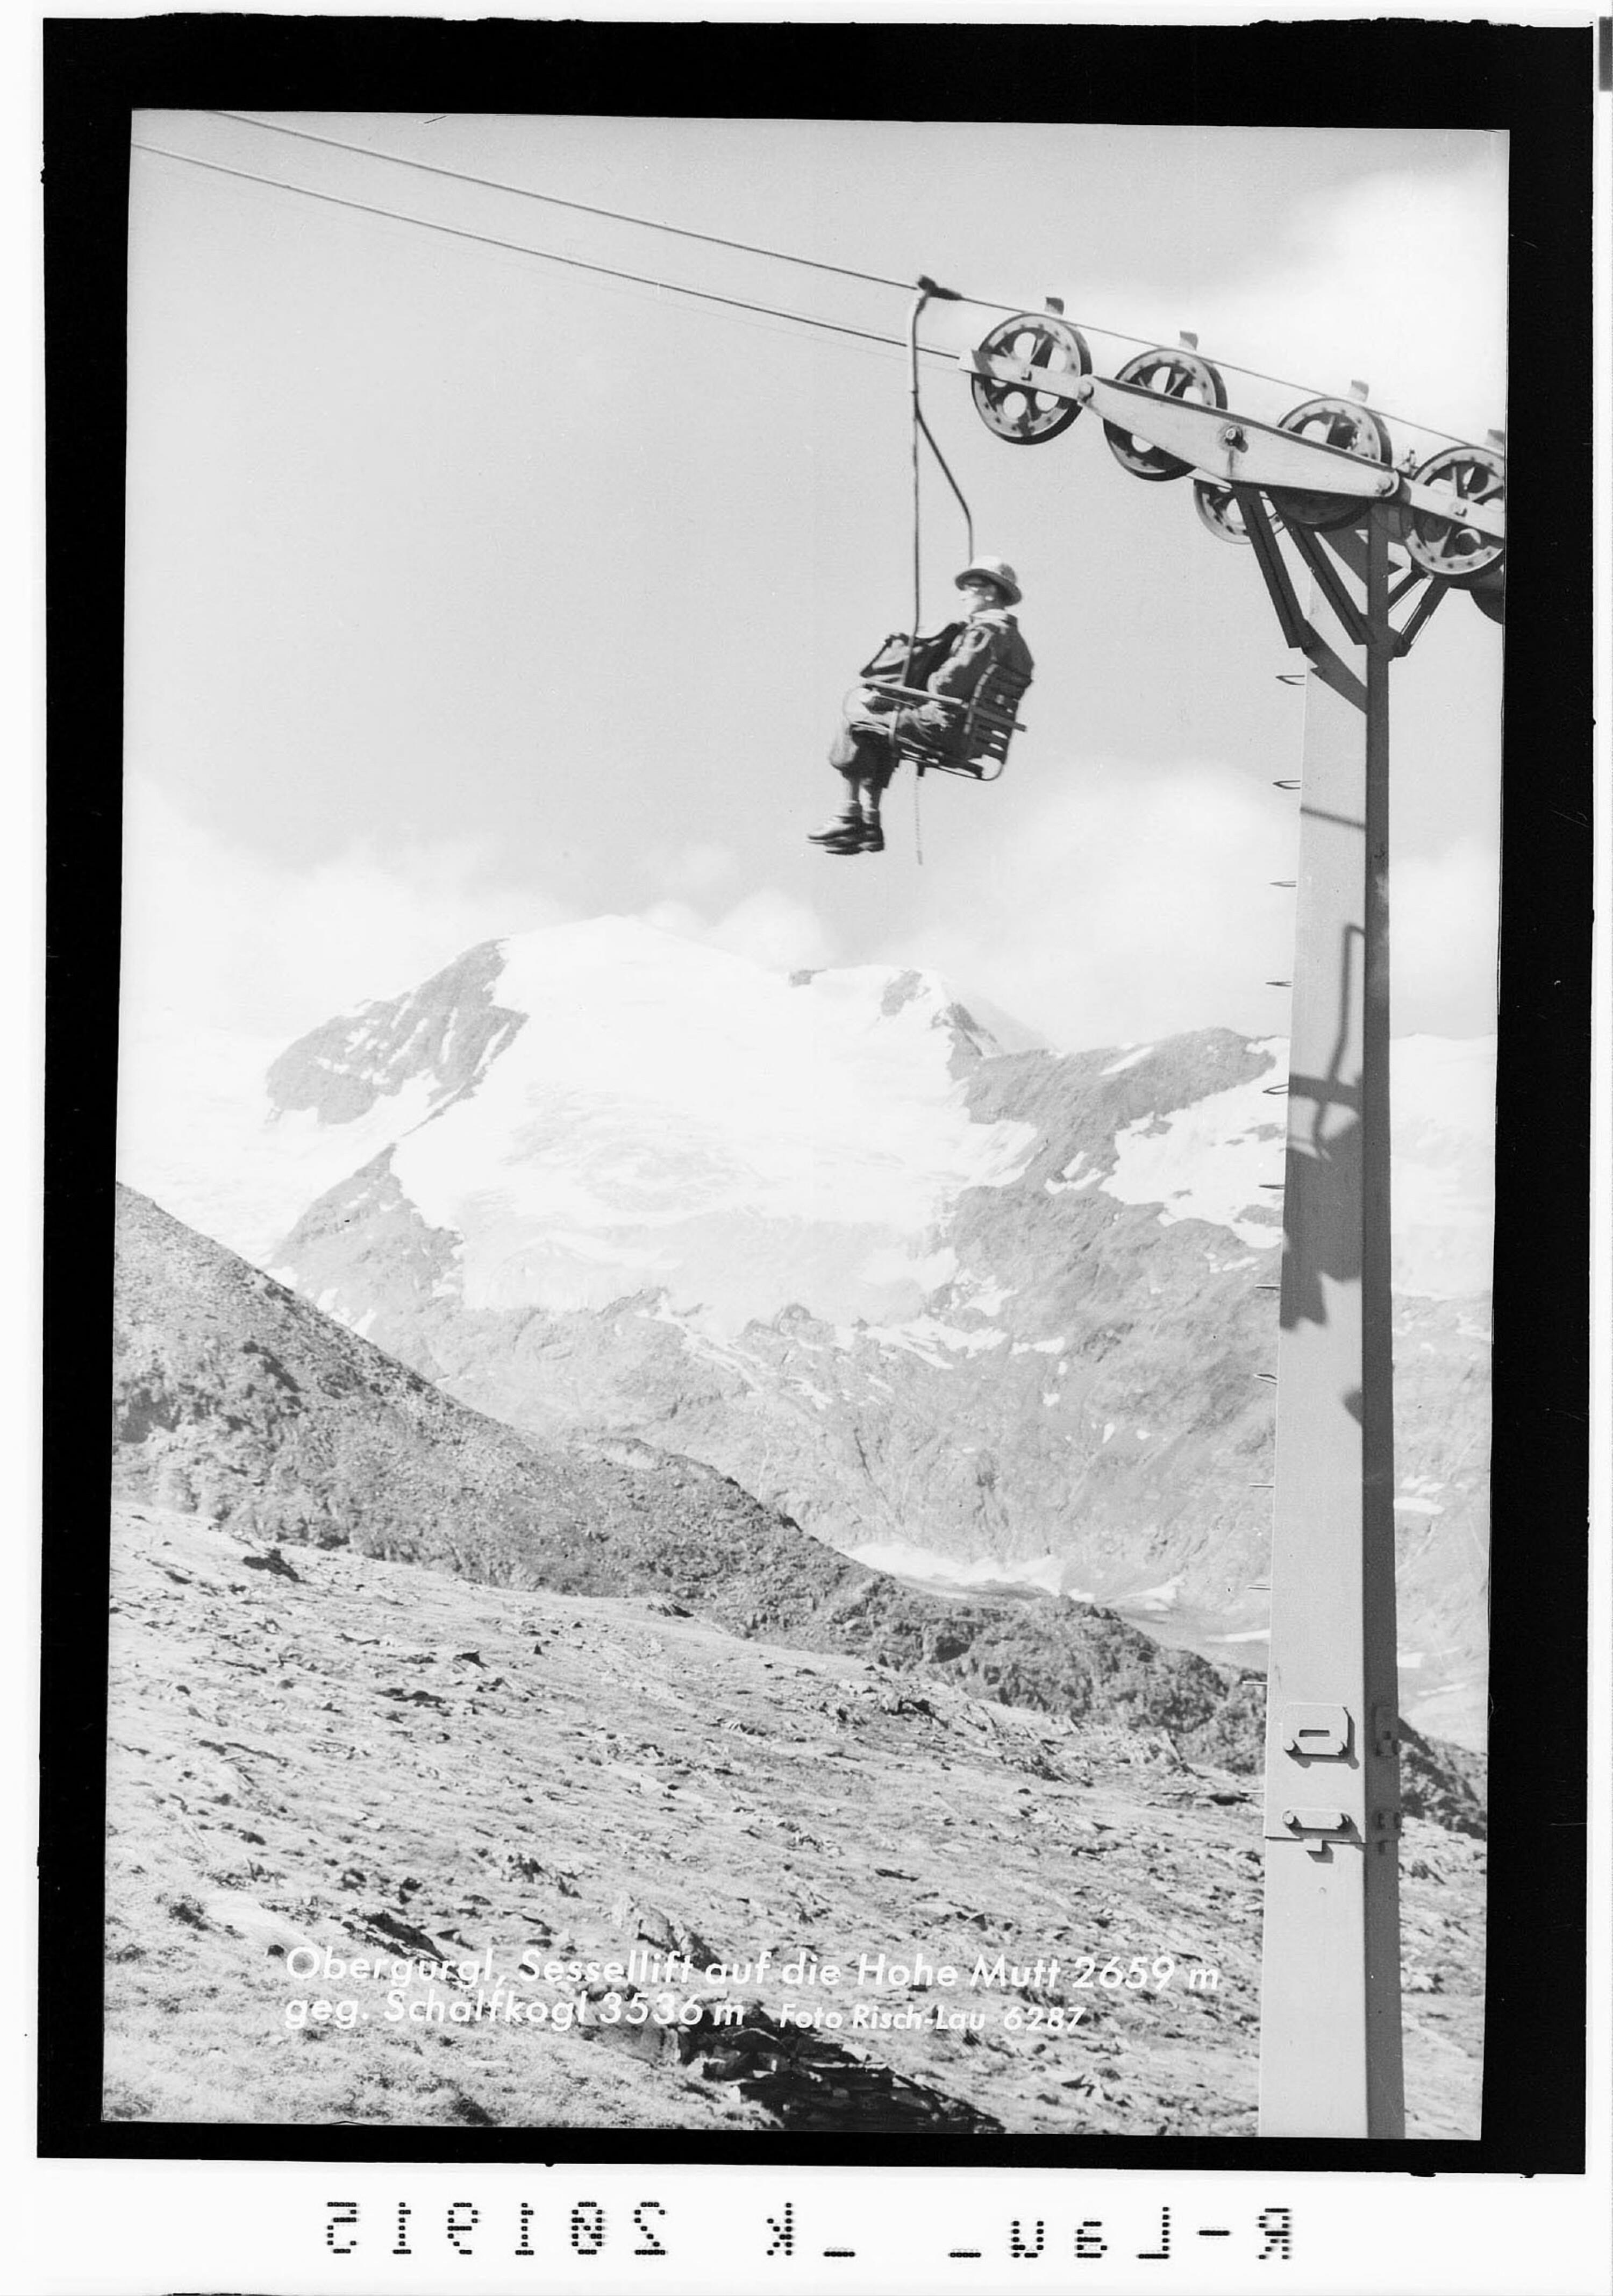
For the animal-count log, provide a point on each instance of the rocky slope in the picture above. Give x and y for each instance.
(312, 1750)
(953, 1308)
(235, 1398)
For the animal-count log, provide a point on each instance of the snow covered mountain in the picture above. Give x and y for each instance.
(966, 1312)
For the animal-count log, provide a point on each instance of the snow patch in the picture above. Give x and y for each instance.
(901, 1558)
(923, 1337)
(1068, 1178)
(947, 1335)
(1061, 1187)
(1161, 1597)
(1128, 1061)
(702, 1341)
(668, 1112)
(196, 1133)
(893, 1264)
(983, 1299)
(749, 1140)
(1207, 1161)
(1443, 1110)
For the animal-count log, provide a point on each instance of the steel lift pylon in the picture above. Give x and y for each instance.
(1329, 2021)
(1368, 535)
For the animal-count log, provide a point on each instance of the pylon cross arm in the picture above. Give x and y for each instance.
(1236, 450)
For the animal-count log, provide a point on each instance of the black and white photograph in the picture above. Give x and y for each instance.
(806, 1126)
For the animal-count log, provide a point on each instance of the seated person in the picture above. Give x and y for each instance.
(863, 751)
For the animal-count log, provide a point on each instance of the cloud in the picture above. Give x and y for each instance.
(1140, 902)
(1401, 280)
(238, 940)
(689, 870)
(1443, 939)
(770, 928)
(1132, 903)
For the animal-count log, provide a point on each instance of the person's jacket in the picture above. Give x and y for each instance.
(986, 640)
(953, 659)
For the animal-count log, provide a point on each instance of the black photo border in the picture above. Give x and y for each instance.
(1535, 82)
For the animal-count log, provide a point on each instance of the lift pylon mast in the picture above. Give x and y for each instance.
(1330, 2031)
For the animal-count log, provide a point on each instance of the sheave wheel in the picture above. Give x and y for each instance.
(1173, 374)
(1444, 545)
(1023, 416)
(1219, 508)
(1353, 430)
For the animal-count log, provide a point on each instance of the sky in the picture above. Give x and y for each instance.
(470, 593)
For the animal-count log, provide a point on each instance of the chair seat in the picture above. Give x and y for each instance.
(988, 724)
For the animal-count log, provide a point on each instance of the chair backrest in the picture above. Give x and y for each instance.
(980, 749)
(993, 720)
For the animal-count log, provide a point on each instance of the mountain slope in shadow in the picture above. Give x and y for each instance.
(238, 1399)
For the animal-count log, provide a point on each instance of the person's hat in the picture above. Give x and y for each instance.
(995, 570)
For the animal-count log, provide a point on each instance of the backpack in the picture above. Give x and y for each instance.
(930, 651)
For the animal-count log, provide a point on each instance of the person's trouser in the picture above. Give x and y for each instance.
(863, 750)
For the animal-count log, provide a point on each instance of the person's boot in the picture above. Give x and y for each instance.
(843, 834)
(872, 839)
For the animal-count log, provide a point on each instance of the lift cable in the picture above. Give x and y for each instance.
(927, 290)
(519, 247)
(581, 206)
(749, 247)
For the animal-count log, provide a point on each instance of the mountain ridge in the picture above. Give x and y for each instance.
(910, 1290)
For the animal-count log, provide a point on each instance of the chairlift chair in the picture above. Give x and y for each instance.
(989, 724)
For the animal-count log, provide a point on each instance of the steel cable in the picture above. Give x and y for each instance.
(543, 254)
(751, 247)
